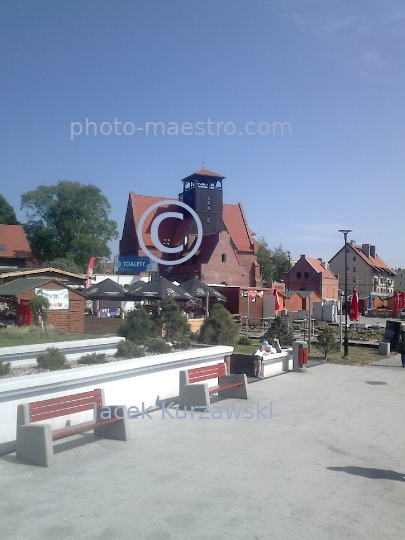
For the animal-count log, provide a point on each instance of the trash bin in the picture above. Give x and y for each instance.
(384, 348)
(300, 356)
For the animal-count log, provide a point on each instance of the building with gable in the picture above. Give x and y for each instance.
(15, 251)
(366, 271)
(228, 252)
(313, 275)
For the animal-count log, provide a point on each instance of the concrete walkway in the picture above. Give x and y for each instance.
(330, 464)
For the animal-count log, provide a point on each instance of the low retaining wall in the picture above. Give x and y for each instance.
(273, 365)
(24, 355)
(148, 381)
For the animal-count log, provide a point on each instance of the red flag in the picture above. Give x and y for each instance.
(354, 307)
(276, 300)
(402, 299)
(396, 303)
(90, 271)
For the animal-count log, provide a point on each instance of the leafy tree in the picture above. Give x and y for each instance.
(326, 341)
(172, 321)
(68, 221)
(218, 328)
(273, 263)
(38, 306)
(138, 327)
(279, 330)
(66, 265)
(7, 213)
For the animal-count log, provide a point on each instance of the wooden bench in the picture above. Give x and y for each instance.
(194, 392)
(35, 440)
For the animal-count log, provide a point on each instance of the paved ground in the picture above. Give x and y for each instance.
(330, 464)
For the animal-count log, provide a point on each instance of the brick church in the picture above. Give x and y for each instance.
(228, 252)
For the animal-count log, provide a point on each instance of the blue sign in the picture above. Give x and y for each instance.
(134, 265)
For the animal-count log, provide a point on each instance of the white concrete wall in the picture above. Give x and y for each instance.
(147, 380)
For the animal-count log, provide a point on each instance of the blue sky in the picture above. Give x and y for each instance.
(333, 69)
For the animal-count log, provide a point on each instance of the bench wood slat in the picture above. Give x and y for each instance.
(225, 386)
(78, 428)
(205, 373)
(62, 406)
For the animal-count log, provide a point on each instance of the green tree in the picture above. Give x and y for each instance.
(68, 221)
(326, 341)
(274, 263)
(219, 328)
(279, 330)
(172, 321)
(38, 306)
(138, 327)
(7, 213)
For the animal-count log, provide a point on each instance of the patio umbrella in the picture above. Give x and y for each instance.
(158, 289)
(396, 303)
(105, 290)
(370, 302)
(199, 289)
(130, 288)
(276, 300)
(354, 307)
(402, 299)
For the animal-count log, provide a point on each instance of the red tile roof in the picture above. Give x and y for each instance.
(316, 264)
(204, 172)
(236, 223)
(233, 216)
(14, 242)
(376, 262)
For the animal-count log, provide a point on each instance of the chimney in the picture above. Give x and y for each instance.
(365, 248)
(372, 251)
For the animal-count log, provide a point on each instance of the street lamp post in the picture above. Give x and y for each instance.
(345, 232)
(289, 268)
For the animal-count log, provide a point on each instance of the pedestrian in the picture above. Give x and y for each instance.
(401, 344)
(258, 360)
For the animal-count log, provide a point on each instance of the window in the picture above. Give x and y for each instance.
(166, 241)
(299, 275)
(354, 269)
(208, 219)
(306, 275)
(354, 280)
(223, 257)
(354, 257)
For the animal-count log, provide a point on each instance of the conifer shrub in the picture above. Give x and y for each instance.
(244, 340)
(53, 359)
(4, 368)
(128, 349)
(326, 341)
(279, 330)
(91, 359)
(138, 327)
(182, 344)
(219, 328)
(158, 345)
(174, 325)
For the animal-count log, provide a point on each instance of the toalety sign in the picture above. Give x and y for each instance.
(134, 265)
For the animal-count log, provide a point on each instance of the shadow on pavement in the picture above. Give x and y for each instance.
(374, 474)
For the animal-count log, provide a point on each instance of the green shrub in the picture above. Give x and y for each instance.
(4, 368)
(326, 341)
(219, 328)
(52, 359)
(243, 340)
(94, 358)
(127, 349)
(183, 344)
(158, 345)
(279, 330)
(173, 323)
(138, 327)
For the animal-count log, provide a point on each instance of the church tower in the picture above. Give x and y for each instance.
(202, 191)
